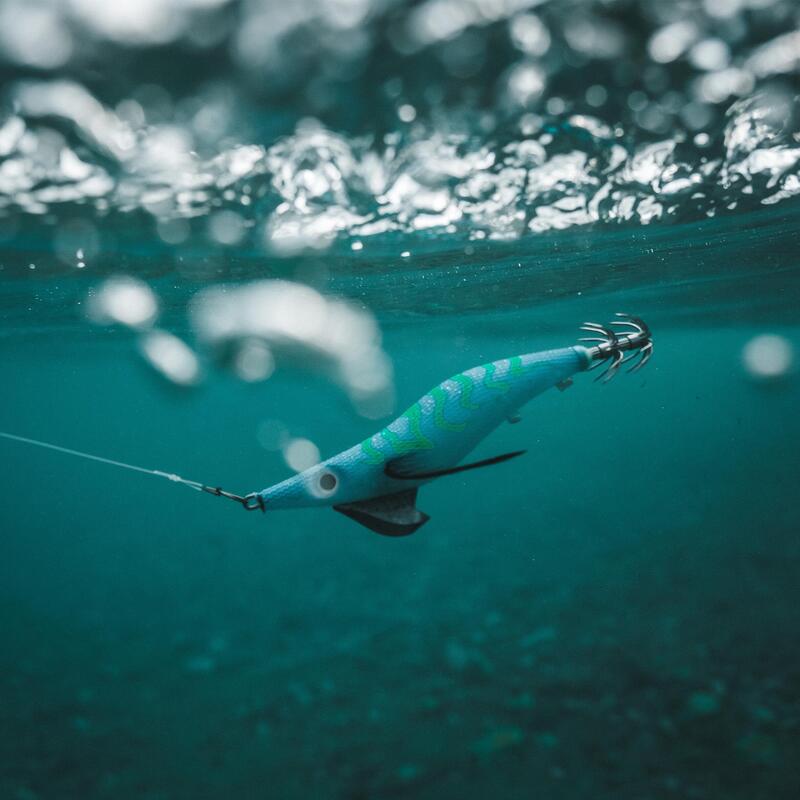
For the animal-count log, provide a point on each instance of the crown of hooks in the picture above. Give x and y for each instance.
(613, 340)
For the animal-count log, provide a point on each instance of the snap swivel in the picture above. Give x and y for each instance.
(250, 502)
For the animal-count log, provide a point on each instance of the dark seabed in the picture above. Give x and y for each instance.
(614, 615)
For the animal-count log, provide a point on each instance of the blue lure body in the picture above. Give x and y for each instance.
(375, 482)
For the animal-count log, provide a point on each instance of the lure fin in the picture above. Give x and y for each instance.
(398, 468)
(514, 419)
(562, 386)
(390, 515)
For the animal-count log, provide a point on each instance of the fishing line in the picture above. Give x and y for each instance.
(250, 502)
(196, 485)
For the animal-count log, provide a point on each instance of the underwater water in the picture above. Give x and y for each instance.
(264, 233)
(616, 613)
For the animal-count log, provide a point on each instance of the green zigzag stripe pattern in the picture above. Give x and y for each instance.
(515, 366)
(418, 441)
(465, 395)
(489, 381)
(373, 455)
(398, 446)
(440, 400)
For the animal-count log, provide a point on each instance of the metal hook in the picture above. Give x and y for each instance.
(607, 345)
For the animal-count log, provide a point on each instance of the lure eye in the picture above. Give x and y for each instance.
(327, 481)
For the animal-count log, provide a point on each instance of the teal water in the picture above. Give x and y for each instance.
(615, 614)
(240, 235)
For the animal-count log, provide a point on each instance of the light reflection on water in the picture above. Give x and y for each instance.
(691, 115)
(315, 185)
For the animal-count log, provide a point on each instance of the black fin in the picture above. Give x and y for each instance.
(514, 419)
(390, 515)
(394, 469)
(562, 386)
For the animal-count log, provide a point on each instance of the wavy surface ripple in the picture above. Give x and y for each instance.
(472, 119)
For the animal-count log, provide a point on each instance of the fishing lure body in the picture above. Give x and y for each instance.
(375, 482)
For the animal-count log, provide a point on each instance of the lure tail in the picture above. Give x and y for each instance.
(631, 334)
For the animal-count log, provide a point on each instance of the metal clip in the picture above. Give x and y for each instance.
(249, 502)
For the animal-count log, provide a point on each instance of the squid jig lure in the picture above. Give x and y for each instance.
(376, 481)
